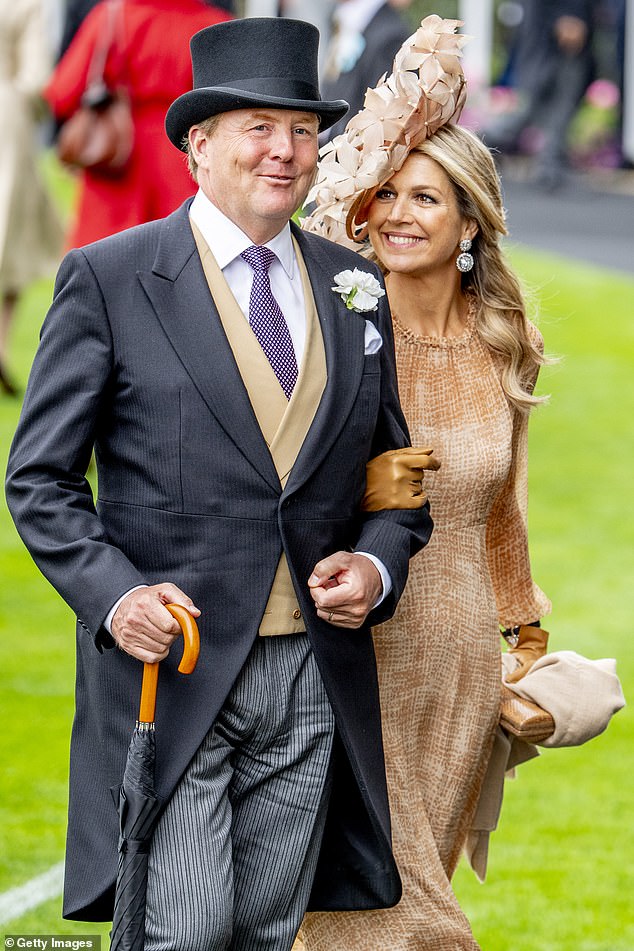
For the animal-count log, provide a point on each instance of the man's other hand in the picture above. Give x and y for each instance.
(345, 587)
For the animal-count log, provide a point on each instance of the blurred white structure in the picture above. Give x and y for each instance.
(259, 8)
(477, 16)
(54, 14)
(317, 12)
(628, 84)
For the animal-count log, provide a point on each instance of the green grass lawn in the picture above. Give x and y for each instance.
(561, 866)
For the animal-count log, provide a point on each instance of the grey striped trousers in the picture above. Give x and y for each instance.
(234, 854)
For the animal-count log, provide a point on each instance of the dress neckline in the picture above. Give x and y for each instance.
(429, 340)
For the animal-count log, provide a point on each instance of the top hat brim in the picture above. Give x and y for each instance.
(200, 104)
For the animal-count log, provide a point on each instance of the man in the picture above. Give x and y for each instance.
(366, 35)
(551, 66)
(230, 482)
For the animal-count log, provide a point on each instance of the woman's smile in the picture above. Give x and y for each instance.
(397, 240)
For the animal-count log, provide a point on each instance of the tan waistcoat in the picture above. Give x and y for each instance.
(284, 423)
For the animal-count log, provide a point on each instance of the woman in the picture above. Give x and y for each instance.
(30, 228)
(467, 361)
(150, 59)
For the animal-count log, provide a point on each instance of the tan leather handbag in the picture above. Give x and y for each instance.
(523, 718)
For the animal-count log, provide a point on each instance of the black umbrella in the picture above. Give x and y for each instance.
(138, 805)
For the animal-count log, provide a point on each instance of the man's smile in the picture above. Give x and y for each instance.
(277, 177)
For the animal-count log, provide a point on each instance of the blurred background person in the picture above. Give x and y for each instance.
(551, 66)
(76, 12)
(365, 36)
(610, 60)
(30, 229)
(150, 58)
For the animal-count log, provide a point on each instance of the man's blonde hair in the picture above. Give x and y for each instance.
(208, 127)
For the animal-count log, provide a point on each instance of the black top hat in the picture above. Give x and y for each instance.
(257, 61)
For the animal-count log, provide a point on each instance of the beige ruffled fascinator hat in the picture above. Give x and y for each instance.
(425, 91)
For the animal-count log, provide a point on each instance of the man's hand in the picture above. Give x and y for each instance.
(143, 627)
(345, 587)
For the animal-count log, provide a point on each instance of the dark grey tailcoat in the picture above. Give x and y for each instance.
(134, 362)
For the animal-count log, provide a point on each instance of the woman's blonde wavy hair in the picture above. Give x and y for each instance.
(501, 316)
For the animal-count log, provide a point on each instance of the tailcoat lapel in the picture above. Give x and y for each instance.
(179, 293)
(343, 332)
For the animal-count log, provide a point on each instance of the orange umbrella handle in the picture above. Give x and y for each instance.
(187, 664)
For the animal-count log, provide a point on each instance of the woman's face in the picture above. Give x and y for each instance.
(414, 222)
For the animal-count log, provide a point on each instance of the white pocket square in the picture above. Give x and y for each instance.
(373, 341)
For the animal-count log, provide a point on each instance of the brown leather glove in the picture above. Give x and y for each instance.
(394, 479)
(531, 645)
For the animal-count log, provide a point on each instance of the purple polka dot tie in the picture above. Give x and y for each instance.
(267, 320)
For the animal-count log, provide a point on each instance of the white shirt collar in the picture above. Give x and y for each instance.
(227, 241)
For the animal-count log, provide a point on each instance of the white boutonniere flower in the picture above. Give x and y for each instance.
(359, 290)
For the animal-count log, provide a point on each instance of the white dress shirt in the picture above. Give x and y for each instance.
(227, 242)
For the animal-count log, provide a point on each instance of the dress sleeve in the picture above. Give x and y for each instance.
(519, 599)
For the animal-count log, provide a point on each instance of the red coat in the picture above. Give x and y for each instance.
(155, 66)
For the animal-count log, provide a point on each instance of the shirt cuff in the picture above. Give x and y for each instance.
(113, 610)
(385, 576)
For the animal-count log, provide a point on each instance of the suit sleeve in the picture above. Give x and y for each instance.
(48, 494)
(394, 536)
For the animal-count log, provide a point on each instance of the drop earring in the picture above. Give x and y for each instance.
(464, 261)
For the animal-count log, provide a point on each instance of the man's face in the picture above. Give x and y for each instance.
(257, 166)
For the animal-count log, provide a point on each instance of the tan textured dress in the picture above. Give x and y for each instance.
(439, 657)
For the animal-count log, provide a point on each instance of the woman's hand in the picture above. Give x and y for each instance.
(531, 645)
(394, 479)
